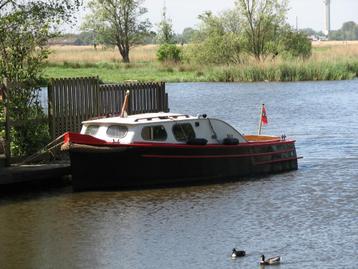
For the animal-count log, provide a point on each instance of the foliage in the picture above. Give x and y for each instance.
(288, 71)
(311, 32)
(2, 121)
(260, 23)
(86, 38)
(33, 132)
(348, 31)
(165, 34)
(214, 42)
(169, 53)
(294, 44)
(150, 38)
(117, 23)
(253, 27)
(187, 36)
(24, 32)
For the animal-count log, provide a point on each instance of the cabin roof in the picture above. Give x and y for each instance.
(141, 118)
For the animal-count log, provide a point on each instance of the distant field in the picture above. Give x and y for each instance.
(322, 50)
(89, 54)
(330, 60)
(335, 50)
(334, 43)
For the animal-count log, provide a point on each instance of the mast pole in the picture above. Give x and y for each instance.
(260, 121)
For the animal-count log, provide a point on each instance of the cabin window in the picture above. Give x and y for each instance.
(117, 131)
(154, 133)
(92, 129)
(183, 132)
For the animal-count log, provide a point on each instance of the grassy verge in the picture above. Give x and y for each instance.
(111, 72)
(329, 61)
(286, 71)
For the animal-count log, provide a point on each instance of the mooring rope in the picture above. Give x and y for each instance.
(45, 150)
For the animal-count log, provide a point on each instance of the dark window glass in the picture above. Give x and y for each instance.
(183, 132)
(154, 133)
(91, 129)
(117, 131)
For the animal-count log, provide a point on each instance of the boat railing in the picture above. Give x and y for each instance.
(162, 117)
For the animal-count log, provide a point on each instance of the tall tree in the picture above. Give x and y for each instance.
(261, 20)
(187, 35)
(348, 31)
(216, 41)
(25, 28)
(118, 23)
(166, 34)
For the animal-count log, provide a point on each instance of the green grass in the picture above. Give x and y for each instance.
(109, 72)
(151, 71)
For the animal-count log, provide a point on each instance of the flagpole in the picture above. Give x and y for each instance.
(260, 122)
(125, 105)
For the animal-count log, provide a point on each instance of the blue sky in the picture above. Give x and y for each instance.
(310, 13)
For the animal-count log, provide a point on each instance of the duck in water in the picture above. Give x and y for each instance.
(270, 261)
(237, 253)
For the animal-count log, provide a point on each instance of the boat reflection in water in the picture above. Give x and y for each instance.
(167, 148)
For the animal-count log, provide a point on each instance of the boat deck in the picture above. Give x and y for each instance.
(261, 138)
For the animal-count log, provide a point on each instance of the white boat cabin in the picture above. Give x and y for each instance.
(163, 128)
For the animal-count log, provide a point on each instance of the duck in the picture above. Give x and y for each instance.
(270, 261)
(237, 253)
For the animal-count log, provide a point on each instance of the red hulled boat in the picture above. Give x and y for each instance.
(166, 148)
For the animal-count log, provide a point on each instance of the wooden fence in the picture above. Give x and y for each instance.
(73, 100)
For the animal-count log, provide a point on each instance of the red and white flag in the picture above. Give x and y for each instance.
(264, 115)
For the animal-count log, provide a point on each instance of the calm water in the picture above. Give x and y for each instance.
(309, 216)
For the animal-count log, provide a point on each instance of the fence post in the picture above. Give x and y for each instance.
(51, 124)
(97, 96)
(7, 123)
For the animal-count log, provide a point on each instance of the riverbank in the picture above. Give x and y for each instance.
(291, 71)
(329, 61)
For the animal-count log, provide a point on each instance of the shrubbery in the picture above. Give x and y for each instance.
(24, 32)
(30, 132)
(219, 49)
(295, 44)
(258, 31)
(169, 53)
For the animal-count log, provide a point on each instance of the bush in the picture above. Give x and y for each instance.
(295, 44)
(31, 136)
(29, 133)
(169, 53)
(216, 49)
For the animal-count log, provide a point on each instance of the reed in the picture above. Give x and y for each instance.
(290, 71)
